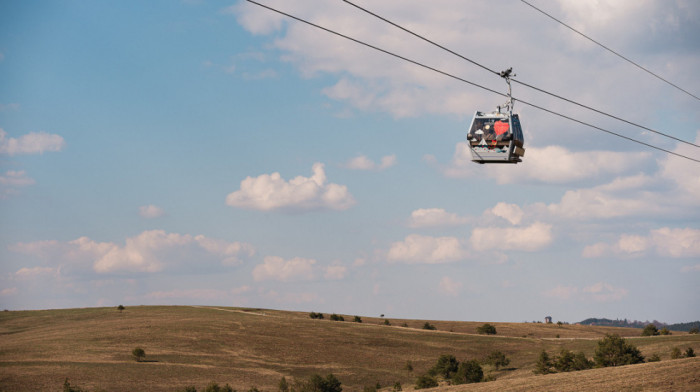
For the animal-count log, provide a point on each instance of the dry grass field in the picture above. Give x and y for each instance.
(253, 347)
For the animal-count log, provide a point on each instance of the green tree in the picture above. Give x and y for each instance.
(543, 364)
(486, 329)
(468, 372)
(689, 352)
(68, 388)
(319, 384)
(283, 385)
(675, 353)
(397, 387)
(214, 387)
(386, 322)
(613, 350)
(565, 361)
(581, 362)
(665, 331)
(335, 317)
(426, 381)
(694, 330)
(138, 354)
(120, 308)
(357, 319)
(650, 330)
(429, 326)
(446, 366)
(497, 359)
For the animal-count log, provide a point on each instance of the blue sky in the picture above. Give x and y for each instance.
(215, 153)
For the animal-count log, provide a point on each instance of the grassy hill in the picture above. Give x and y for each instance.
(253, 347)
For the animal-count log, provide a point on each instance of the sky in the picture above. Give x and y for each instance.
(217, 153)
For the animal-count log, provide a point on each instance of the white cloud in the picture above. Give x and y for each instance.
(416, 249)
(34, 271)
(16, 178)
(277, 268)
(6, 292)
(510, 212)
(201, 294)
(335, 272)
(666, 242)
(549, 164)
(449, 287)
(531, 238)
(561, 292)
(604, 292)
(271, 192)
(151, 211)
(31, 143)
(150, 251)
(361, 162)
(432, 217)
(599, 292)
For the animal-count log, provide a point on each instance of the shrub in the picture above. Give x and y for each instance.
(689, 352)
(138, 354)
(370, 388)
(650, 330)
(654, 358)
(283, 385)
(397, 387)
(408, 367)
(120, 308)
(543, 364)
(68, 388)
(468, 372)
(446, 366)
(694, 330)
(335, 317)
(386, 322)
(316, 383)
(487, 329)
(497, 359)
(665, 331)
(214, 387)
(426, 381)
(675, 353)
(190, 388)
(315, 315)
(581, 362)
(429, 326)
(357, 319)
(613, 350)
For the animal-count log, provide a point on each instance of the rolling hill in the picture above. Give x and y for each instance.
(188, 345)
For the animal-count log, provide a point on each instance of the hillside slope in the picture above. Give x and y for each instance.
(253, 347)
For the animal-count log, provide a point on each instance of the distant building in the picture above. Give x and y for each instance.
(548, 320)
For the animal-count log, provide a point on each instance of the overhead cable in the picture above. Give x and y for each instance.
(610, 50)
(515, 80)
(465, 81)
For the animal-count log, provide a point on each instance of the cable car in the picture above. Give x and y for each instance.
(497, 137)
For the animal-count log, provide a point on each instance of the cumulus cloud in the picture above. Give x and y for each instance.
(151, 211)
(150, 251)
(279, 269)
(531, 238)
(449, 286)
(666, 242)
(599, 292)
(561, 292)
(549, 164)
(510, 212)
(361, 162)
(435, 217)
(335, 272)
(271, 192)
(31, 143)
(16, 178)
(604, 292)
(418, 249)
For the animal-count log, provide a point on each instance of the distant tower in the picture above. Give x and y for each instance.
(548, 320)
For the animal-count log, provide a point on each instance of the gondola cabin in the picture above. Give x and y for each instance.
(496, 138)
